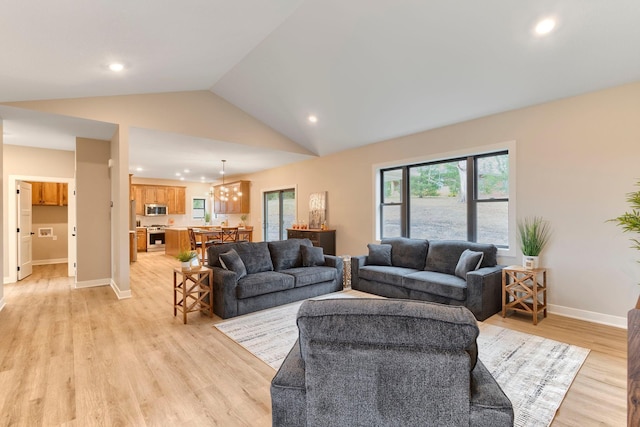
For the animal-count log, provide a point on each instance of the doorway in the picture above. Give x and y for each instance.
(279, 211)
(12, 220)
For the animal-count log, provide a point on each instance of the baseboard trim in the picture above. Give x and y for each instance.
(92, 283)
(589, 316)
(6, 280)
(50, 261)
(2, 304)
(120, 293)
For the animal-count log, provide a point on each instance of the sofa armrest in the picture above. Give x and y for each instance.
(356, 263)
(225, 302)
(484, 287)
(337, 263)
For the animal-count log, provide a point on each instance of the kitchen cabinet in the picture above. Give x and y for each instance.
(174, 197)
(137, 192)
(326, 239)
(176, 241)
(49, 193)
(155, 195)
(176, 200)
(142, 239)
(238, 196)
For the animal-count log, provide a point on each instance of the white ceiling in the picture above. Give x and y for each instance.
(369, 69)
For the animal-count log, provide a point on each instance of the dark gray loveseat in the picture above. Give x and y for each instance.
(275, 274)
(385, 362)
(426, 270)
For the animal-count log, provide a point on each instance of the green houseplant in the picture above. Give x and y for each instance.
(534, 233)
(185, 257)
(630, 221)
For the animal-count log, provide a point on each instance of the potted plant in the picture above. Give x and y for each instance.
(207, 218)
(630, 221)
(185, 257)
(243, 218)
(534, 234)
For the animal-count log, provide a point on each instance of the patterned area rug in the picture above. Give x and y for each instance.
(534, 372)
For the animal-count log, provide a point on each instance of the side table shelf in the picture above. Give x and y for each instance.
(190, 291)
(521, 291)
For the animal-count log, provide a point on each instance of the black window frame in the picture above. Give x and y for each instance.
(472, 199)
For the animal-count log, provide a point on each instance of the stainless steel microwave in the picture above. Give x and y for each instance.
(155, 210)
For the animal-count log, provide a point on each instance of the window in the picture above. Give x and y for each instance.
(198, 208)
(279, 211)
(464, 198)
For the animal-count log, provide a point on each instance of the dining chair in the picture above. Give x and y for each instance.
(195, 245)
(229, 235)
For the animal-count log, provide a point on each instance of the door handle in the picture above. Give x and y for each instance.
(73, 235)
(32, 233)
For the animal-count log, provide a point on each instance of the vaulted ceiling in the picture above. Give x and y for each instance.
(368, 70)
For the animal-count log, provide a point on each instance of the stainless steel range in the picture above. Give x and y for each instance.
(155, 238)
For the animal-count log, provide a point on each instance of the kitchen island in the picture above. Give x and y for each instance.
(177, 238)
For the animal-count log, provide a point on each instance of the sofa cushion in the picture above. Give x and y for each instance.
(311, 256)
(262, 283)
(231, 261)
(286, 253)
(384, 274)
(443, 255)
(469, 261)
(379, 254)
(431, 282)
(410, 253)
(311, 275)
(255, 255)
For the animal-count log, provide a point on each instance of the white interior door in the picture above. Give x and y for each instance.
(25, 235)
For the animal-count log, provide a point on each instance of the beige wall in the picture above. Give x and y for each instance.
(576, 160)
(197, 113)
(2, 204)
(54, 248)
(93, 198)
(31, 162)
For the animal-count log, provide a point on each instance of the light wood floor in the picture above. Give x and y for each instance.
(80, 357)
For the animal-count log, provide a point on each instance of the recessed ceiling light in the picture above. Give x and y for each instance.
(182, 178)
(186, 171)
(116, 66)
(178, 173)
(139, 169)
(545, 26)
(312, 119)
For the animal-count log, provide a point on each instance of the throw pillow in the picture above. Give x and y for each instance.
(379, 254)
(311, 256)
(469, 261)
(231, 261)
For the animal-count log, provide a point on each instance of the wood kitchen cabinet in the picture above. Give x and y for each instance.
(174, 197)
(176, 200)
(155, 194)
(49, 193)
(137, 193)
(238, 190)
(142, 239)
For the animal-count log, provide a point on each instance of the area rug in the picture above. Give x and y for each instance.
(534, 372)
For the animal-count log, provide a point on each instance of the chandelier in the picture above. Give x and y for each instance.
(225, 193)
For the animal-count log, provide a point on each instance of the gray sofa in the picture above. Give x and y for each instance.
(426, 270)
(386, 362)
(270, 274)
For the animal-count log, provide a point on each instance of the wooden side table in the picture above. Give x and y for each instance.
(192, 290)
(521, 291)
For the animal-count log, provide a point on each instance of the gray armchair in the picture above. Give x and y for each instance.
(385, 362)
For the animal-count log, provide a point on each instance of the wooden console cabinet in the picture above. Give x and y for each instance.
(326, 239)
